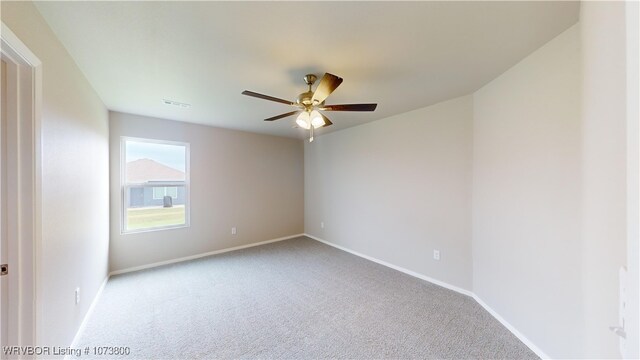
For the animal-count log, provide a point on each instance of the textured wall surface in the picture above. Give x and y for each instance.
(527, 198)
(397, 189)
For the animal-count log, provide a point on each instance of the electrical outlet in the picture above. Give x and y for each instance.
(77, 296)
(436, 254)
(321, 224)
(233, 230)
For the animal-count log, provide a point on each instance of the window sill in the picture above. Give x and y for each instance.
(138, 231)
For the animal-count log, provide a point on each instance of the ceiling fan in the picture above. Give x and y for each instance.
(310, 103)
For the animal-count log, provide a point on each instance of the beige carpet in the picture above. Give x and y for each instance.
(294, 299)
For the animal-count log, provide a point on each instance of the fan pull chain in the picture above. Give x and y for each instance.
(311, 132)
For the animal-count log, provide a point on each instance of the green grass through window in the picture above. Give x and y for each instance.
(153, 217)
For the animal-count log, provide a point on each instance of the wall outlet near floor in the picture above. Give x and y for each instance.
(321, 224)
(77, 295)
(233, 230)
(436, 254)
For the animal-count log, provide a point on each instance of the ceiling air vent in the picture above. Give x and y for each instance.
(176, 103)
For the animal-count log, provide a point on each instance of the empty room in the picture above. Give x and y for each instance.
(319, 180)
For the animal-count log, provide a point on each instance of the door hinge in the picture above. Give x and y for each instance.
(4, 269)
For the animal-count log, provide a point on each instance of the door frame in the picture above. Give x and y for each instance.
(24, 164)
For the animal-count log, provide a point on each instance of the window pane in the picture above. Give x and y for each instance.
(152, 162)
(145, 211)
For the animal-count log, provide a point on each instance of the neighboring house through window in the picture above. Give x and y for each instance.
(161, 192)
(155, 184)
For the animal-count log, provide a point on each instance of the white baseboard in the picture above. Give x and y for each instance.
(197, 256)
(88, 315)
(513, 330)
(497, 316)
(395, 267)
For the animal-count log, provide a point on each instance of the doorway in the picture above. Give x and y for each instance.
(4, 284)
(20, 90)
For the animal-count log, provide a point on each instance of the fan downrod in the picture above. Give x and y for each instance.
(304, 99)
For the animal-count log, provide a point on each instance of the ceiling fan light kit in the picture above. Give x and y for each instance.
(308, 119)
(316, 119)
(310, 102)
(303, 120)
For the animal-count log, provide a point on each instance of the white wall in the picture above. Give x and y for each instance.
(632, 325)
(75, 186)
(250, 181)
(396, 189)
(526, 196)
(602, 26)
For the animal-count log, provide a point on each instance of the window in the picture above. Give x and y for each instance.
(155, 184)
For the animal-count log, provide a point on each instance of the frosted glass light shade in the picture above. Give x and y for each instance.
(303, 120)
(316, 119)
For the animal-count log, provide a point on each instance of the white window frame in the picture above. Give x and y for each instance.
(124, 186)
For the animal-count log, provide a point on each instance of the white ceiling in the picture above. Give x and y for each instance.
(402, 55)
